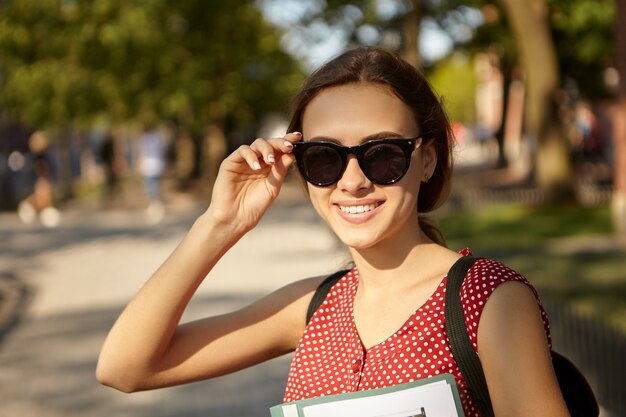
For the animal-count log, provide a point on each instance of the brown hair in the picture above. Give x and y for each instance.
(376, 65)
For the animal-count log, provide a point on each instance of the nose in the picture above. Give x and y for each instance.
(353, 178)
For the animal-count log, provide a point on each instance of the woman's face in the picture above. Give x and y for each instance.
(350, 115)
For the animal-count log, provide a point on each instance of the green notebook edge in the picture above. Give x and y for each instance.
(276, 411)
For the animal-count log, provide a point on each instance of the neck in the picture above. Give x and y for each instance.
(392, 264)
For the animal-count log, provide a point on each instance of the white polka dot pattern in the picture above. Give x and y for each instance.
(330, 358)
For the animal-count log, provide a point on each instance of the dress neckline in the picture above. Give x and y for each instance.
(383, 343)
(430, 301)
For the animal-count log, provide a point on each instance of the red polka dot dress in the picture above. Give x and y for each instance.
(330, 358)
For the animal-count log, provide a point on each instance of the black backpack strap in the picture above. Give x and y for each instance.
(322, 291)
(460, 343)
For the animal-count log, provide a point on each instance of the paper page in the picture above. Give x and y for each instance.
(290, 410)
(436, 400)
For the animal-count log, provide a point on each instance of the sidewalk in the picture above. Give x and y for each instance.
(67, 285)
(81, 275)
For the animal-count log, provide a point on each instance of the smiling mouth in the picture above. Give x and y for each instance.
(359, 208)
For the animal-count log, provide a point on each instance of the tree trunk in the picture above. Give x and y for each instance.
(553, 169)
(506, 71)
(619, 125)
(517, 152)
(411, 33)
(214, 150)
(65, 176)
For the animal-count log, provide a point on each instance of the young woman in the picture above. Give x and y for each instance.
(375, 152)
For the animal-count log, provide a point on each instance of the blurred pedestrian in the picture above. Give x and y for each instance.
(40, 204)
(152, 152)
(111, 166)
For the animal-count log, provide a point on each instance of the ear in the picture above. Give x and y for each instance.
(429, 160)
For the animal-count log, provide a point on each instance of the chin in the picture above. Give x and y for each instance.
(357, 241)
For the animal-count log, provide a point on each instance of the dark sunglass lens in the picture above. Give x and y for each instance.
(385, 163)
(322, 165)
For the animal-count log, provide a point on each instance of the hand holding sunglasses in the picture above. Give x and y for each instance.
(383, 161)
(249, 180)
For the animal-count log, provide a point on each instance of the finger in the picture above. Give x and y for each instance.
(250, 156)
(288, 139)
(265, 149)
(285, 161)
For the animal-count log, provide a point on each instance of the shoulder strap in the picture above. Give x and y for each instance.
(322, 291)
(460, 344)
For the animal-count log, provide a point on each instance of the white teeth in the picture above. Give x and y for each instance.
(358, 209)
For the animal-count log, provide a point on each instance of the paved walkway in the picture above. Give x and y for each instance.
(80, 275)
(70, 283)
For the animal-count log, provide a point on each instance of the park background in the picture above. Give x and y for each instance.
(115, 115)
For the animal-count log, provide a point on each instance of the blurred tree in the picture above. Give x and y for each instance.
(619, 123)
(583, 31)
(529, 22)
(454, 79)
(395, 24)
(195, 63)
(494, 37)
(411, 33)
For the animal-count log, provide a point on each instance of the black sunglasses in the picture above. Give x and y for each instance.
(383, 161)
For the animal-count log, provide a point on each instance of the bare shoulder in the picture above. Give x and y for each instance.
(511, 308)
(511, 298)
(288, 305)
(511, 325)
(513, 348)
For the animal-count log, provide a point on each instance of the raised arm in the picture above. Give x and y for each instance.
(146, 348)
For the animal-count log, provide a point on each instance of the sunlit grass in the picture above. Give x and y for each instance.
(566, 252)
(516, 226)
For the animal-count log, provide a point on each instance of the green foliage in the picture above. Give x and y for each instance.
(583, 30)
(454, 80)
(587, 23)
(195, 62)
(566, 252)
(517, 227)
(584, 33)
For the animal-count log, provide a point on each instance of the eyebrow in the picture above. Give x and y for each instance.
(373, 136)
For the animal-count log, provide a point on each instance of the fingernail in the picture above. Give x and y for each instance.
(296, 133)
(256, 165)
(270, 159)
(288, 144)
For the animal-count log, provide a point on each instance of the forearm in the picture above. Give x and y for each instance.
(142, 334)
(142, 343)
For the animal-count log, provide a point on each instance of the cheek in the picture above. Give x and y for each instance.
(319, 198)
(412, 179)
(407, 198)
(410, 186)
(417, 164)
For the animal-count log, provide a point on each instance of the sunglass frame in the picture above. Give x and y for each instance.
(407, 145)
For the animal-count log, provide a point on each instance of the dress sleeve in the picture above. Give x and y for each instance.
(480, 282)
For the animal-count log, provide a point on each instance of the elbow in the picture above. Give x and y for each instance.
(116, 384)
(116, 377)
